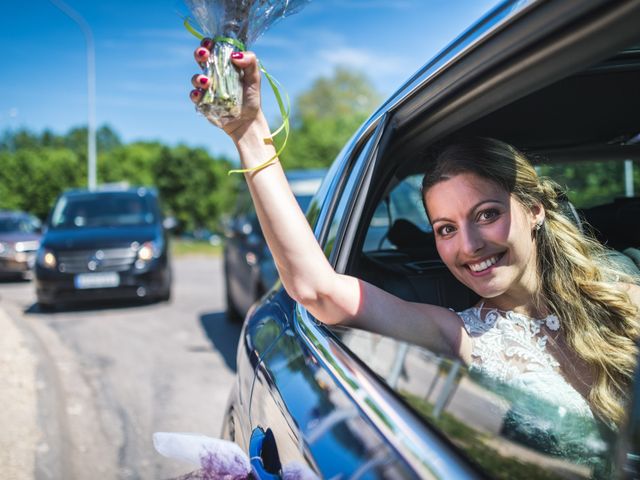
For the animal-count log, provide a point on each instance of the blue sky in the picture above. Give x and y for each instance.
(144, 59)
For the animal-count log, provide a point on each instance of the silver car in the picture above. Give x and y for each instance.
(20, 235)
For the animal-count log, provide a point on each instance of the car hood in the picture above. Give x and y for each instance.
(103, 237)
(14, 237)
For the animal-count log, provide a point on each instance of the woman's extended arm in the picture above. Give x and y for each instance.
(303, 268)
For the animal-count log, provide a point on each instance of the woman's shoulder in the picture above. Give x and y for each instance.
(473, 321)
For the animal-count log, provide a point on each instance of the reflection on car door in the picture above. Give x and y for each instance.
(313, 421)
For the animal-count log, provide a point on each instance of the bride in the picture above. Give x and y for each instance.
(555, 317)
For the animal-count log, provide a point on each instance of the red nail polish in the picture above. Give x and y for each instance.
(195, 93)
(237, 55)
(206, 43)
(203, 80)
(202, 52)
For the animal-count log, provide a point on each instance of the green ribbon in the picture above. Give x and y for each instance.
(283, 104)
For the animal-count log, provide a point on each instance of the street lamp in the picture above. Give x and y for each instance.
(91, 82)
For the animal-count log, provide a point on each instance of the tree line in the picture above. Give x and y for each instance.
(194, 186)
(35, 167)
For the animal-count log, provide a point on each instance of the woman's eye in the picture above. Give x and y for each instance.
(488, 215)
(446, 230)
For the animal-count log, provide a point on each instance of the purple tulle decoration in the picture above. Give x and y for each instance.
(217, 459)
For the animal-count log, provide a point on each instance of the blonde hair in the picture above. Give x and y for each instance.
(577, 276)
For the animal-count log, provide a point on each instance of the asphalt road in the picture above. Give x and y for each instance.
(106, 378)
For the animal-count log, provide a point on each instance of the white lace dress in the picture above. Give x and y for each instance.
(509, 355)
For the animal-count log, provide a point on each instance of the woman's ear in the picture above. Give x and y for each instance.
(537, 216)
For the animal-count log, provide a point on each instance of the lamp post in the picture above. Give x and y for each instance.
(91, 83)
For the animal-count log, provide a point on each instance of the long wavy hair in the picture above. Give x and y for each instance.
(577, 276)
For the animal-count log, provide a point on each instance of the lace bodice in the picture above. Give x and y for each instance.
(512, 349)
(509, 356)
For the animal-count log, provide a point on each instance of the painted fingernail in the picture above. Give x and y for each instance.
(207, 43)
(202, 52)
(237, 55)
(203, 80)
(195, 94)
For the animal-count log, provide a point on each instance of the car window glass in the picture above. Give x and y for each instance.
(10, 224)
(505, 430)
(591, 183)
(104, 210)
(345, 195)
(402, 204)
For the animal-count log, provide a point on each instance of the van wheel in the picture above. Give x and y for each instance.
(166, 296)
(232, 312)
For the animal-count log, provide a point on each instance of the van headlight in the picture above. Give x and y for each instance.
(46, 258)
(147, 252)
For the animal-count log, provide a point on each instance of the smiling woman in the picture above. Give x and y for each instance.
(504, 235)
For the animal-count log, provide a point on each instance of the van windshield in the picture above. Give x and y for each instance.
(104, 210)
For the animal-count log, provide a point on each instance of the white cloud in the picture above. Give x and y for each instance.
(360, 59)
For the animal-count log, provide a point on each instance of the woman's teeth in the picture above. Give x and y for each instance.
(479, 267)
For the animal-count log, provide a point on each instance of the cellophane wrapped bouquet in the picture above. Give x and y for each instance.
(233, 25)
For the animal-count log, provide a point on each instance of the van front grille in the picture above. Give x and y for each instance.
(102, 260)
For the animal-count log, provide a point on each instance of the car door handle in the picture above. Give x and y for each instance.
(264, 455)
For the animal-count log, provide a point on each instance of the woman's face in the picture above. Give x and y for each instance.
(484, 236)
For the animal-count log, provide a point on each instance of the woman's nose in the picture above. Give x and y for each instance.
(472, 241)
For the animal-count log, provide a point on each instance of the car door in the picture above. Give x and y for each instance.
(299, 396)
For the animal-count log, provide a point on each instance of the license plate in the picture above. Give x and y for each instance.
(97, 280)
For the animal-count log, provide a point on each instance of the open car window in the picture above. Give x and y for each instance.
(509, 431)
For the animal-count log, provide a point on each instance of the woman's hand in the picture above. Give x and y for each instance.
(248, 65)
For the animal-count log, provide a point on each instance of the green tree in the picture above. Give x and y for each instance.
(326, 116)
(27, 182)
(133, 163)
(193, 187)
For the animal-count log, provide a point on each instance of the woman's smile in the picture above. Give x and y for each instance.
(483, 267)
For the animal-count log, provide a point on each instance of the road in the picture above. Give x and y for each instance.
(105, 378)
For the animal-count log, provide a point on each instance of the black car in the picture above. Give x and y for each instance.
(103, 245)
(561, 81)
(19, 240)
(249, 270)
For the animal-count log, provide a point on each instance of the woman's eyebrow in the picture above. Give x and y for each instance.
(472, 209)
(482, 202)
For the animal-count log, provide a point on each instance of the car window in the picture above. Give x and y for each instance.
(404, 202)
(509, 432)
(19, 224)
(10, 224)
(523, 424)
(104, 210)
(592, 183)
